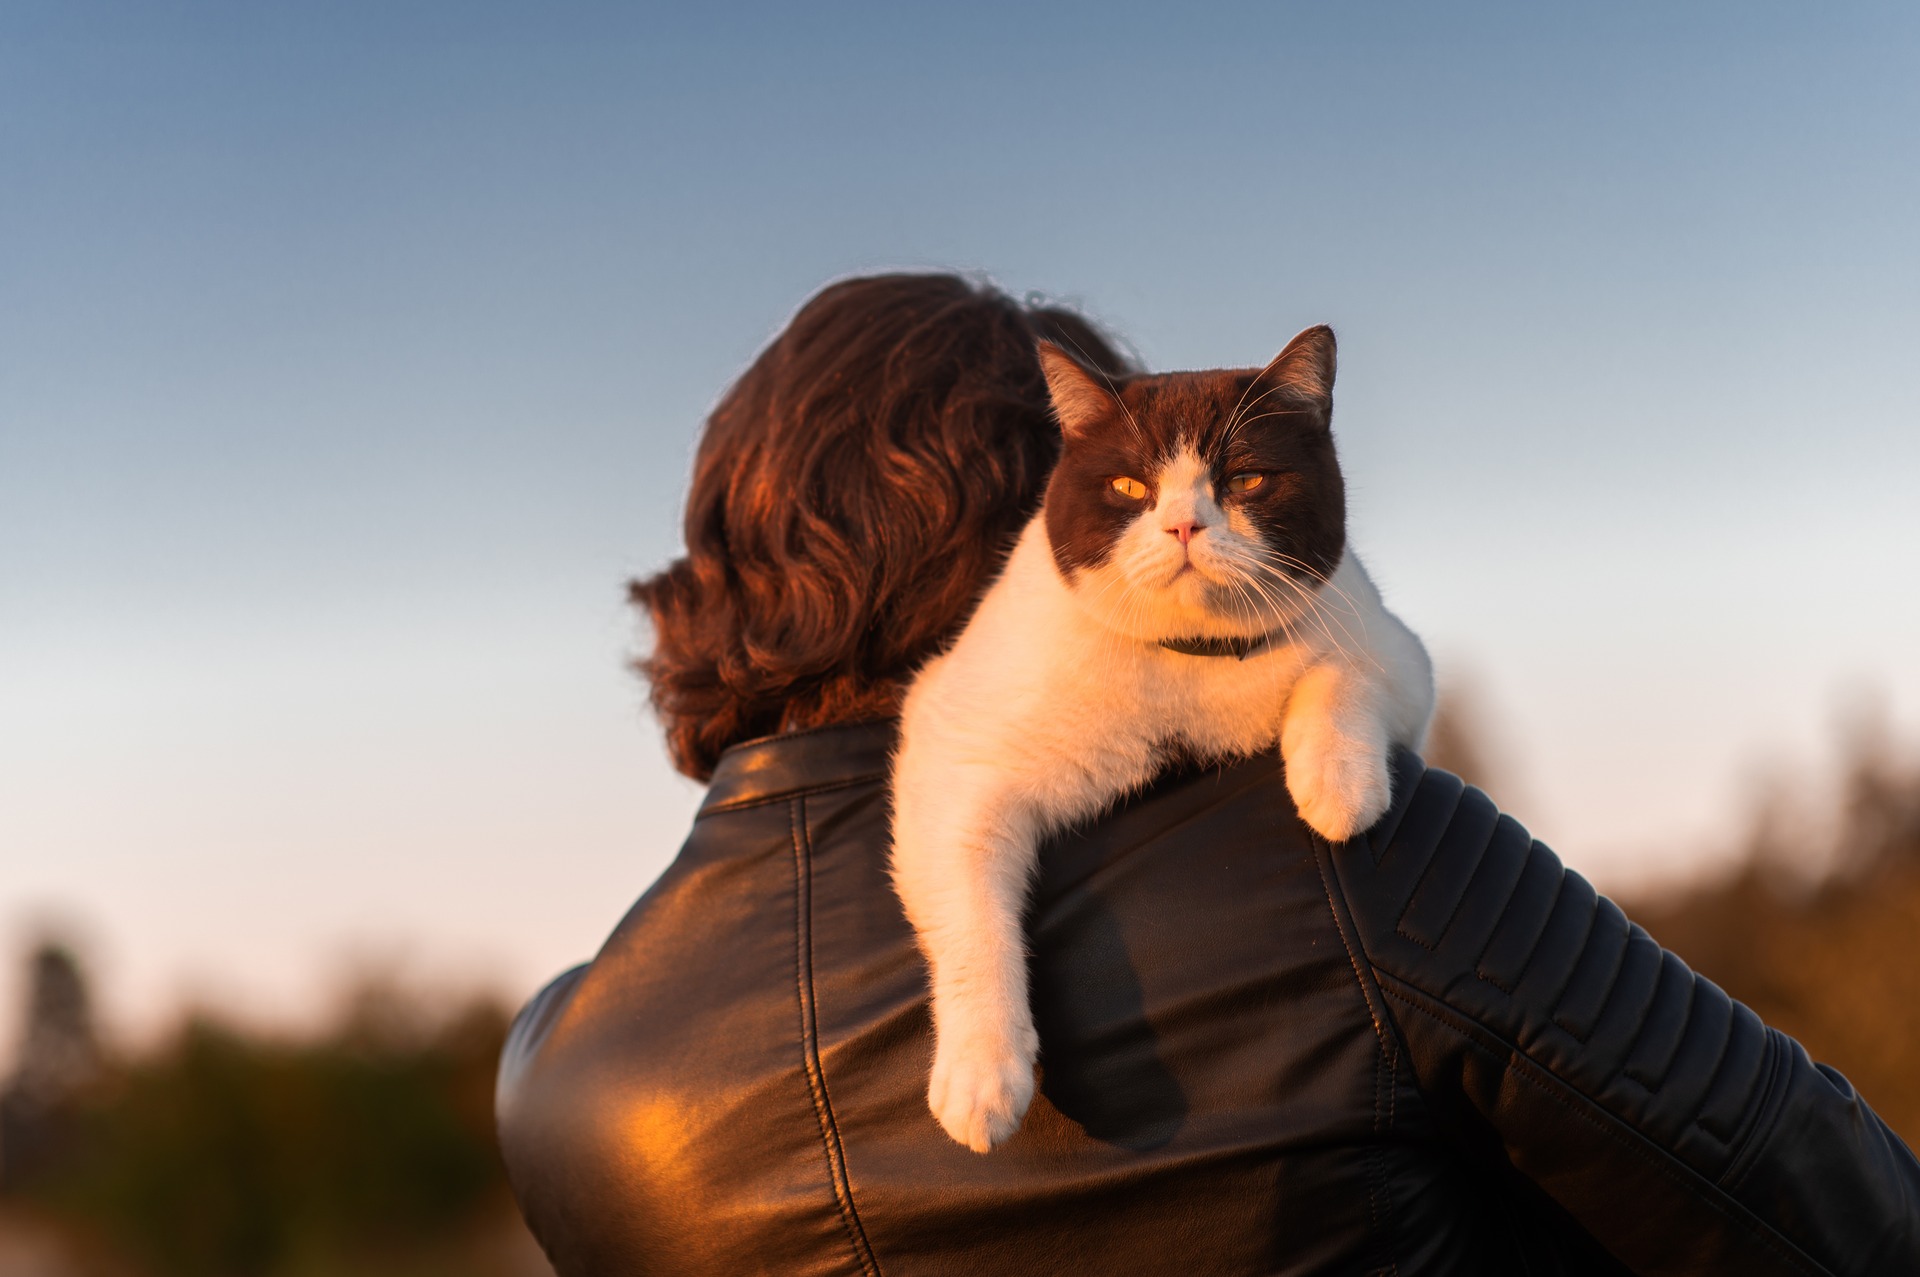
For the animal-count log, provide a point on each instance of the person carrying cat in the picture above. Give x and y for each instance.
(1422, 1048)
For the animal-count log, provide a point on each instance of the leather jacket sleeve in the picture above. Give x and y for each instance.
(1544, 1027)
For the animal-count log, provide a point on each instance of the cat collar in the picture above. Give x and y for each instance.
(1238, 648)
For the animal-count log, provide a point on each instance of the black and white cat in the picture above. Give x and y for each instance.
(1186, 588)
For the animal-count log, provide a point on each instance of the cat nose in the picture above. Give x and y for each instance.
(1186, 530)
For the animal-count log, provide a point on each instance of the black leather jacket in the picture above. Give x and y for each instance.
(1428, 1050)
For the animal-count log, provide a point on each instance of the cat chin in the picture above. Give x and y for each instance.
(1189, 608)
(1210, 596)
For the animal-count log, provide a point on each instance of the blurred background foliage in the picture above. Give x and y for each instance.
(367, 1148)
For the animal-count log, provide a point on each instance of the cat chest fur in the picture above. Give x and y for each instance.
(1060, 682)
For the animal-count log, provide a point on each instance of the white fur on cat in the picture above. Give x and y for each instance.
(1057, 699)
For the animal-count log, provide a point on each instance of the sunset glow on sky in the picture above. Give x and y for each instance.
(350, 362)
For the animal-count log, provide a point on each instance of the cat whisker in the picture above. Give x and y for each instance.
(1283, 614)
(1244, 422)
(1233, 417)
(1325, 582)
(1256, 596)
(1252, 587)
(1310, 601)
(1324, 611)
(1308, 605)
(1237, 422)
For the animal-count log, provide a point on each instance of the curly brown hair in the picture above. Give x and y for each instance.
(854, 493)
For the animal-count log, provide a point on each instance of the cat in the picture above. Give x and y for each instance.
(1184, 590)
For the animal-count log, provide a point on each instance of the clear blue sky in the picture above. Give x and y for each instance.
(351, 356)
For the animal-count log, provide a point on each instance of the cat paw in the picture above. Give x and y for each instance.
(1339, 791)
(981, 1088)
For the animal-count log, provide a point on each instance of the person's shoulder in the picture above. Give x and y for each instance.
(1238, 801)
(529, 1032)
(1206, 845)
(1447, 881)
(1247, 800)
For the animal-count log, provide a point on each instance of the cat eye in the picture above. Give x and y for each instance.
(1246, 481)
(1131, 488)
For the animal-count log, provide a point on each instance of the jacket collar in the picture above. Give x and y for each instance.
(773, 767)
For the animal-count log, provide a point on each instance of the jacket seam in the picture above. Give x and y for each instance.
(1610, 982)
(1426, 872)
(830, 1144)
(1520, 1065)
(1480, 958)
(1342, 927)
(1386, 1057)
(1380, 1191)
(1526, 962)
(1779, 1062)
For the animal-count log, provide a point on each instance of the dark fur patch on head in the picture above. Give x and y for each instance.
(1274, 420)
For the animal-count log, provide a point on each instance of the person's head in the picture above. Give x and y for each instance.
(854, 493)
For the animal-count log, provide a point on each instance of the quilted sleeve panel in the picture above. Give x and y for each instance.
(1683, 1133)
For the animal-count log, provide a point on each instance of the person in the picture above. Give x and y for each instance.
(1428, 1050)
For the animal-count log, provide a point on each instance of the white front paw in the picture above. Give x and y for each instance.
(1340, 785)
(983, 1080)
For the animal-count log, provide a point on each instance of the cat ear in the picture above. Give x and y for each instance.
(1079, 398)
(1304, 370)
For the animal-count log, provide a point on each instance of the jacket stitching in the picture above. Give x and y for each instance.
(1588, 916)
(1381, 836)
(1379, 1191)
(1430, 874)
(1771, 1101)
(1409, 936)
(1322, 861)
(1393, 1109)
(1393, 1096)
(1610, 983)
(1640, 1073)
(1546, 917)
(1480, 958)
(1731, 1135)
(810, 1041)
(1385, 1061)
(1373, 1168)
(1484, 978)
(1521, 1066)
(1424, 872)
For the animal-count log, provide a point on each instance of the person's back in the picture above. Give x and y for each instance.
(1426, 1050)
(737, 1083)
(1237, 1075)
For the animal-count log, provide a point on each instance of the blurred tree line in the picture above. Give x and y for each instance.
(365, 1149)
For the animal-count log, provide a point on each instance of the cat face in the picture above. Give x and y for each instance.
(1198, 504)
